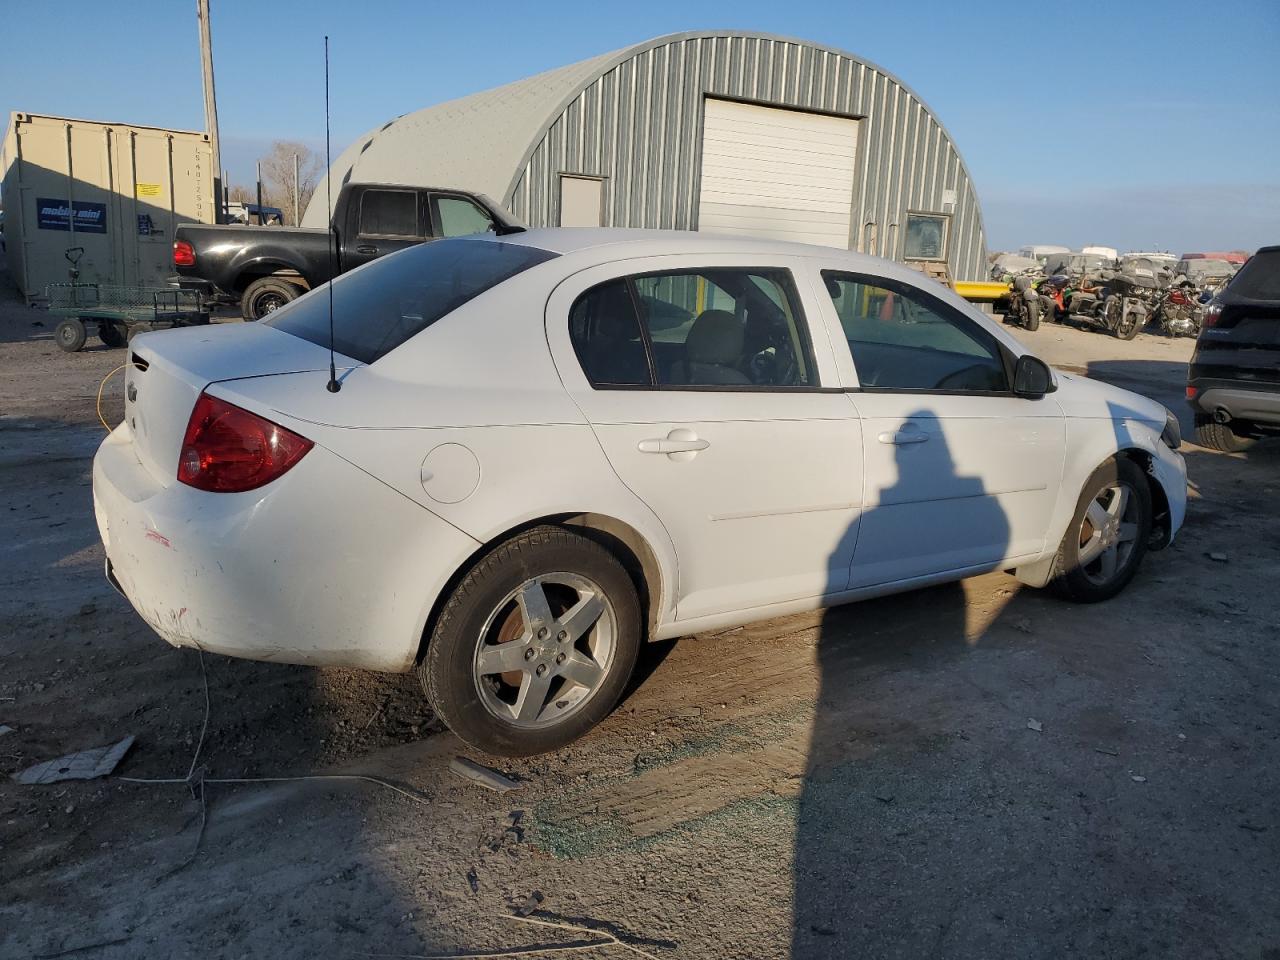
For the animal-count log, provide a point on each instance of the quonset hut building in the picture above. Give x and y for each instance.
(719, 131)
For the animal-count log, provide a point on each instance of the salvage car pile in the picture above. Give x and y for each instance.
(1119, 296)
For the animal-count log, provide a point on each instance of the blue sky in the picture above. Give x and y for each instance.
(1140, 125)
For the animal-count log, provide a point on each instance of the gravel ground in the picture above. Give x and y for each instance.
(865, 782)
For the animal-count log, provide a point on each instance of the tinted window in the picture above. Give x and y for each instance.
(605, 329)
(903, 339)
(725, 327)
(459, 217)
(708, 328)
(389, 213)
(383, 304)
(1259, 278)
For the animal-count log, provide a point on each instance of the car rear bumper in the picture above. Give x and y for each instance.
(323, 566)
(1259, 404)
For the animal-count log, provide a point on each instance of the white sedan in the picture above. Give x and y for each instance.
(549, 447)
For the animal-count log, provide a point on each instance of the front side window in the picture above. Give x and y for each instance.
(902, 338)
(719, 327)
(389, 213)
(459, 217)
(926, 237)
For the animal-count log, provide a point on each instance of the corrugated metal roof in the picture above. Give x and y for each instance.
(489, 135)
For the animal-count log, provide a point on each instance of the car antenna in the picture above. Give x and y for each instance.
(333, 386)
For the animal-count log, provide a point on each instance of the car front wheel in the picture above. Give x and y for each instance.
(1107, 536)
(535, 645)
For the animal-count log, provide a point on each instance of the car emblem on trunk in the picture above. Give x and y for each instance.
(132, 393)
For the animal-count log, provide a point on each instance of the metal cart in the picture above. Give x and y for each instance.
(120, 312)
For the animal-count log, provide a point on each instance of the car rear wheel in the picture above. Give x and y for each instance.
(267, 295)
(535, 645)
(1107, 536)
(1220, 436)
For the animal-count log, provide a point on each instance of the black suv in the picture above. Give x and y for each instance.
(1234, 381)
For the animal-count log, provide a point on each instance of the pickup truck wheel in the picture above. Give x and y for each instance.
(267, 295)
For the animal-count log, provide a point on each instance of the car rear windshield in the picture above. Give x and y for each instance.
(1259, 278)
(380, 306)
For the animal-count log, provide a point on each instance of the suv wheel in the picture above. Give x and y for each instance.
(1107, 536)
(536, 644)
(1220, 436)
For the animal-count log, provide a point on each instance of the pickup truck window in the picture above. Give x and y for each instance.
(389, 213)
(383, 304)
(459, 217)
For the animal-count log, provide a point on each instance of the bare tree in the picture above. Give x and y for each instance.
(277, 176)
(241, 194)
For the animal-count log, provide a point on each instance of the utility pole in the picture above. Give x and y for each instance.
(297, 216)
(210, 102)
(261, 221)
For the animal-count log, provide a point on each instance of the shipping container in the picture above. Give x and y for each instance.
(117, 190)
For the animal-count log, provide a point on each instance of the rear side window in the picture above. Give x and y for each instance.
(1259, 278)
(389, 213)
(720, 327)
(380, 306)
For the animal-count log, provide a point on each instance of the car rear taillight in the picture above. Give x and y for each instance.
(1212, 313)
(227, 449)
(1191, 392)
(184, 254)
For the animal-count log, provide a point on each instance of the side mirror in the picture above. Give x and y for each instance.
(1032, 378)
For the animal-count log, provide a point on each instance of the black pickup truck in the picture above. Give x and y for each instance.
(266, 267)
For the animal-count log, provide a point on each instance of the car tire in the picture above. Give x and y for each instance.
(498, 700)
(1085, 576)
(70, 334)
(112, 334)
(266, 295)
(1220, 436)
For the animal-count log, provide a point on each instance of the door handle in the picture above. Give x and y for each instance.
(680, 444)
(901, 437)
(366, 248)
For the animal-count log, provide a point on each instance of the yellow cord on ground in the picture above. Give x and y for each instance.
(105, 425)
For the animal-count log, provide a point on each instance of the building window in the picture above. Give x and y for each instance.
(926, 236)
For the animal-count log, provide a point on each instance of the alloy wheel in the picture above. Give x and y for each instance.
(1108, 533)
(545, 650)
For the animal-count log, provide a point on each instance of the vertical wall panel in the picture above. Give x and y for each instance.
(639, 127)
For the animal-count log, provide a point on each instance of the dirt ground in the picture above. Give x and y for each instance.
(867, 782)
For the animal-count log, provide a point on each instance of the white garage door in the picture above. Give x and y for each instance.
(777, 173)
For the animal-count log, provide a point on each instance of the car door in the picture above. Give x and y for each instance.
(383, 220)
(717, 407)
(960, 474)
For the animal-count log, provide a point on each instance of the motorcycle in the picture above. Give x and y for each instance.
(1120, 303)
(1024, 303)
(1180, 311)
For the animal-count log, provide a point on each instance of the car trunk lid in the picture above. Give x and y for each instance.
(168, 370)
